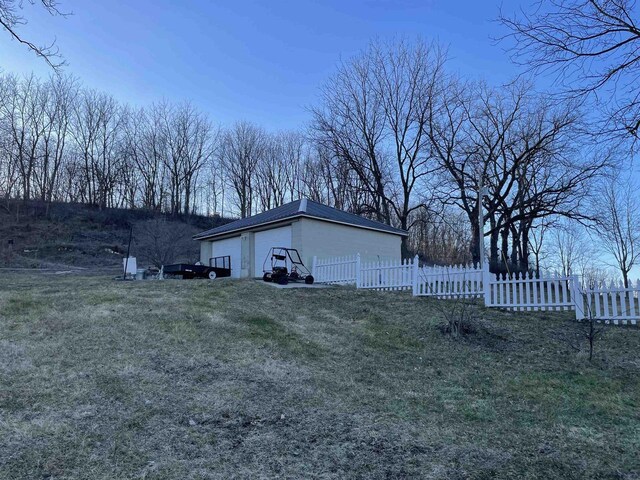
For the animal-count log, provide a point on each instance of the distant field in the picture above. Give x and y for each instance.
(102, 379)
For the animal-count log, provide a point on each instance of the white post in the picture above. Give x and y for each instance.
(577, 299)
(314, 267)
(486, 284)
(414, 275)
(481, 194)
(484, 264)
(358, 273)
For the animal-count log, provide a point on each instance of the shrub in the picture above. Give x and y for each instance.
(161, 242)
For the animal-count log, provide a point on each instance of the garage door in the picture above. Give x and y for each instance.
(231, 247)
(276, 237)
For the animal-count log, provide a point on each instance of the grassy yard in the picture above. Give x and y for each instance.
(235, 379)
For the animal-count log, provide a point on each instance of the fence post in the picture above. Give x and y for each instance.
(486, 283)
(314, 267)
(358, 273)
(414, 275)
(576, 298)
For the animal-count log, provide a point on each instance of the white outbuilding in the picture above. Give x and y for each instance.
(312, 228)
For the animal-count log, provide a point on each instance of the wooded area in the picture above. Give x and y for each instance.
(394, 136)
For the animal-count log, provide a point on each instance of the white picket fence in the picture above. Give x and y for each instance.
(379, 275)
(387, 275)
(613, 304)
(521, 292)
(449, 282)
(527, 292)
(336, 270)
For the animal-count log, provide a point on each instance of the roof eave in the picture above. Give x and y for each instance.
(398, 231)
(242, 229)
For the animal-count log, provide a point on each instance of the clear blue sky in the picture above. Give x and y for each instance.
(254, 60)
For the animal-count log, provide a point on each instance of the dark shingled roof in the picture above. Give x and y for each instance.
(299, 208)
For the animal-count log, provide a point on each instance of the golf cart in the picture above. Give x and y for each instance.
(285, 266)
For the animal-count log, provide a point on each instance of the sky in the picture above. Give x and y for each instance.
(248, 60)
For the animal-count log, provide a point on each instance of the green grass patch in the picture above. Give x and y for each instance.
(383, 337)
(580, 396)
(23, 304)
(266, 332)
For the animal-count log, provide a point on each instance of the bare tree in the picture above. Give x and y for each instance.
(23, 111)
(11, 19)
(293, 148)
(594, 274)
(619, 224)
(161, 243)
(538, 233)
(271, 175)
(590, 46)
(571, 247)
(62, 92)
(329, 179)
(350, 124)
(442, 238)
(522, 149)
(97, 123)
(278, 174)
(374, 116)
(9, 176)
(242, 148)
(216, 186)
(409, 82)
(190, 143)
(147, 144)
(174, 156)
(200, 140)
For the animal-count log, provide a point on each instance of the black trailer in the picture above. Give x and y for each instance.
(218, 267)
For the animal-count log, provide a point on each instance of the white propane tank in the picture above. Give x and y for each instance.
(129, 266)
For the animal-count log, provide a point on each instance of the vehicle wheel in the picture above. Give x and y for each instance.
(266, 277)
(309, 279)
(212, 275)
(283, 280)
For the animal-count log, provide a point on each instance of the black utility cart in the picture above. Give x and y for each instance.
(218, 267)
(284, 265)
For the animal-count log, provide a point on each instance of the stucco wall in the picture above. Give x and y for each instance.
(314, 238)
(228, 246)
(205, 252)
(248, 251)
(325, 239)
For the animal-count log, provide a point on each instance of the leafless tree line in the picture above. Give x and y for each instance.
(62, 142)
(395, 136)
(65, 143)
(416, 137)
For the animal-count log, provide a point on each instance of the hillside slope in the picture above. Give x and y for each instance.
(62, 235)
(237, 379)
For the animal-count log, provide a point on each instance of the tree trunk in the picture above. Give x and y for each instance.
(493, 248)
(505, 251)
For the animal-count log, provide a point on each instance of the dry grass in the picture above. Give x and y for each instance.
(194, 379)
